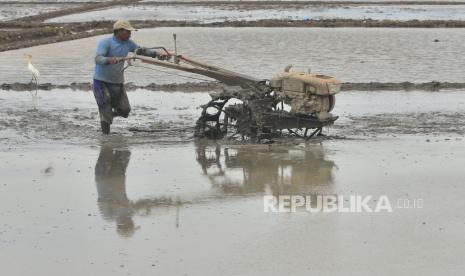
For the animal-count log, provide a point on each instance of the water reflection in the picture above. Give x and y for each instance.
(276, 170)
(110, 177)
(113, 202)
(231, 171)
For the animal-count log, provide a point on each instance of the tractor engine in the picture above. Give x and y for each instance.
(307, 93)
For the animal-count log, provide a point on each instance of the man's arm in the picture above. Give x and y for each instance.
(145, 51)
(102, 52)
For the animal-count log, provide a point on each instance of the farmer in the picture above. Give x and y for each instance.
(108, 85)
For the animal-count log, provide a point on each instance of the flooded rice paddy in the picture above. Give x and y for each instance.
(351, 54)
(150, 199)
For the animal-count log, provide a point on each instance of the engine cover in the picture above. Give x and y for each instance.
(307, 93)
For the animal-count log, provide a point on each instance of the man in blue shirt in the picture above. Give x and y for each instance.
(109, 91)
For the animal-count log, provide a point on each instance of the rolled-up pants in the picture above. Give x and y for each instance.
(111, 100)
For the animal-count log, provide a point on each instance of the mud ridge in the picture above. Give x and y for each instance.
(87, 86)
(216, 86)
(402, 86)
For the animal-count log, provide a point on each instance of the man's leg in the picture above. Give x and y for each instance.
(103, 97)
(122, 106)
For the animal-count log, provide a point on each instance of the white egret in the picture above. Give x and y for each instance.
(35, 73)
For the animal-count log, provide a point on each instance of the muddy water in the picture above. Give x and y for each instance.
(194, 209)
(351, 54)
(162, 203)
(220, 14)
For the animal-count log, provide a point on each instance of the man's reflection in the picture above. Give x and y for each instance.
(110, 177)
(113, 202)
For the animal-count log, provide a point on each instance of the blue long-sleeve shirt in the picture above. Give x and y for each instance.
(112, 47)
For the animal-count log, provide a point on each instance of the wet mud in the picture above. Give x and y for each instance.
(73, 118)
(432, 124)
(169, 117)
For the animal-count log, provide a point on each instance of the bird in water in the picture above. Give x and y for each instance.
(35, 73)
